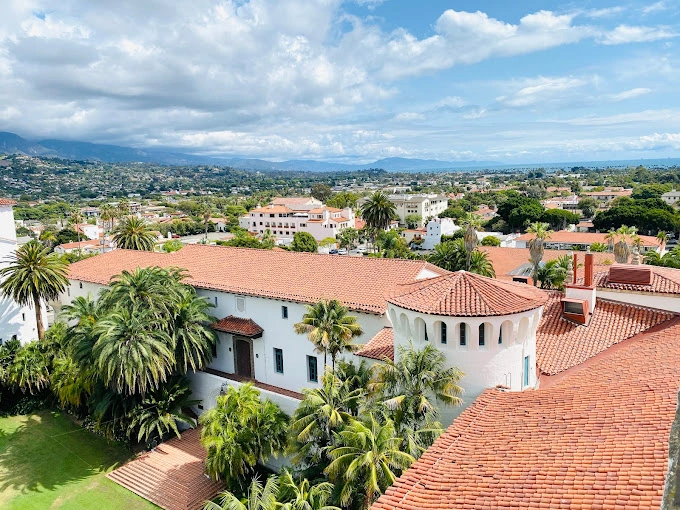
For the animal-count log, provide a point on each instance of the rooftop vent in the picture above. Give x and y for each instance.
(576, 310)
(630, 275)
(521, 279)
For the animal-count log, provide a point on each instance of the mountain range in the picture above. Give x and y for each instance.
(11, 143)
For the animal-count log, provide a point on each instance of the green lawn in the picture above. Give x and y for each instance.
(48, 462)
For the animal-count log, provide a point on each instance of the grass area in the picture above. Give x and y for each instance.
(47, 461)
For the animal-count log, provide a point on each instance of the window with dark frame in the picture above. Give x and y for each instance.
(500, 335)
(463, 335)
(213, 347)
(278, 360)
(443, 333)
(312, 369)
(284, 312)
(482, 335)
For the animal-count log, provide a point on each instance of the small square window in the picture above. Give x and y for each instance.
(278, 360)
(312, 369)
(284, 312)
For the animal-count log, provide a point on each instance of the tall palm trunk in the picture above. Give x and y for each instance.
(621, 252)
(38, 316)
(470, 244)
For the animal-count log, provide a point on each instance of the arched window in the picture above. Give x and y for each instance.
(500, 335)
(443, 332)
(463, 334)
(420, 328)
(482, 335)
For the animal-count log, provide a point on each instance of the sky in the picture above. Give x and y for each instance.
(521, 81)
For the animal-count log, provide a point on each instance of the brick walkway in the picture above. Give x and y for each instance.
(172, 475)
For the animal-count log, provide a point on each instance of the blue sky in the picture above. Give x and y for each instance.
(352, 81)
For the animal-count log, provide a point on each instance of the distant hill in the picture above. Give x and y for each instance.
(11, 143)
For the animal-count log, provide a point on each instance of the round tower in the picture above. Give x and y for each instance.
(485, 327)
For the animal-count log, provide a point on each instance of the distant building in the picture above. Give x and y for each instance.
(425, 205)
(286, 216)
(436, 228)
(671, 197)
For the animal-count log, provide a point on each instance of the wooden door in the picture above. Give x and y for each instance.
(244, 365)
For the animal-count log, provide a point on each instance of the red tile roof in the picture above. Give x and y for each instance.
(665, 280)
(274, 209)
(505, 260)
(238, 326)
(360, 283)
(562, 236)
(464, 294)
(379, 347)
(562, 344)
(7, 201)
(172, 475)
(292, 200)
(597, 439)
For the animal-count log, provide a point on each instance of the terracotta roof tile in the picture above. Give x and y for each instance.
(172, 475)
(505, 260)
(563, 236)
(274, 209)
(665, 280)
(360, 283)
(464, 294)
(562, 344)
(238, 326)
(597, 439)
(379, 347)
(7, 201)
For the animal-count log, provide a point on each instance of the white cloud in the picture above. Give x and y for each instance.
(630, 94)
(408, 116)
(624, 34)
(541, 90)
(659, 6)
(606, 12)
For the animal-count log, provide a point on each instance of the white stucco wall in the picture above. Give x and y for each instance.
(278, 333)
(667, 302)
(207, 387)
(15, 320)
(484, 367)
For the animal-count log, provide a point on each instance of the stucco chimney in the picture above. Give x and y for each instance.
(588, 277)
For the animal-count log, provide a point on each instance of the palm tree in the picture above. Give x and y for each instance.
(34, 275)
(240, 431)
(159, 412)
(131, 355)
(123, 208)
(405, 386)
(133, 233)
(366, 460)
(193, 340)
(258, 498)
(70, 381)
(83, 313)
(470, 223)
(107, 214)
(77, 218)
(303, 495)
(552, 275)
(348, 238)
(453, 256)
(322, 411)
(621, 248)
(537, 246)
(268, 239)
(355, 377)
(662, 237)
(29, 370)
(481, 265)
(611, 239)
(48, 239)
(154, 288)
(330, 328)
(378, 211)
